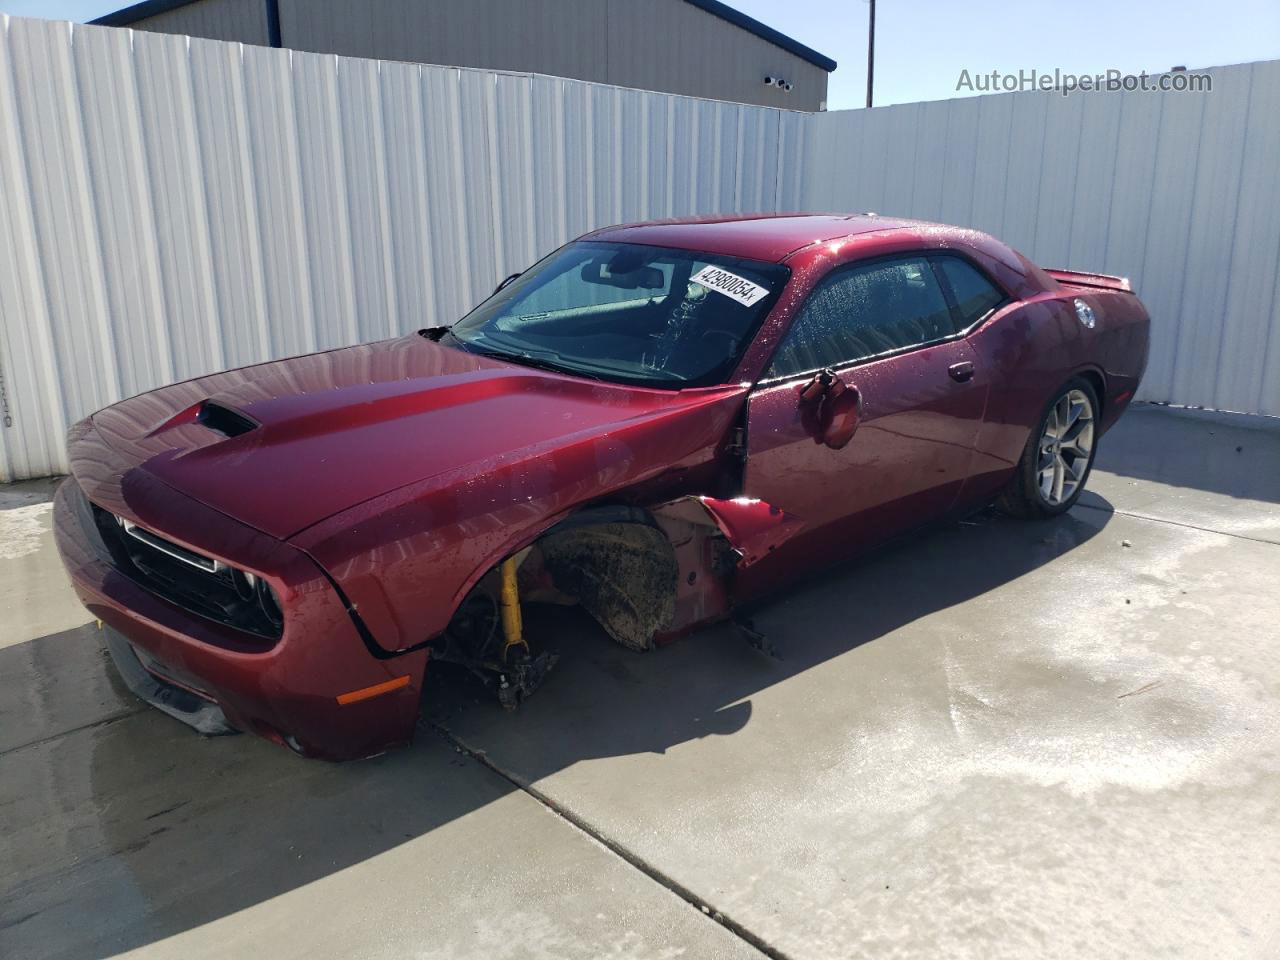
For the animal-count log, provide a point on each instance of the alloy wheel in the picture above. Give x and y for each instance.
(1066, 447)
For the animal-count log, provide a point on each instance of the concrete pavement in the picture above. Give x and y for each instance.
(996, 740)
(117, 832)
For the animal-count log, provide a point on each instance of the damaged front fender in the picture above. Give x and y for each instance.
(646, 577)
(753, 528)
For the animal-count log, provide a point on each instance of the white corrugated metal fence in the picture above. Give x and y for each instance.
(1178, 191)
(170, 207)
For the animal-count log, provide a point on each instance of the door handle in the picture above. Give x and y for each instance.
(961, 372)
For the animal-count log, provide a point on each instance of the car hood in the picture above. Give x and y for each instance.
(284, 445)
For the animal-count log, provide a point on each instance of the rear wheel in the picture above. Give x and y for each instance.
(1058, 456)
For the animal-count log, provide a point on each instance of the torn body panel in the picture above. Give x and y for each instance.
(648, 583)
(713, 538)
(752, 527)
(646, 577)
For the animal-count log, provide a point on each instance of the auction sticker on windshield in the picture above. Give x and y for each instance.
(730, 284)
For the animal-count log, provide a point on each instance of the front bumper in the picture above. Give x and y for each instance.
(202, 715)
(285, 690)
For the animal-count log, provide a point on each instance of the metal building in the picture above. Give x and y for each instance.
(699, 48)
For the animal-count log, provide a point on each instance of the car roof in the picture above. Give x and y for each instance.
(770, 237)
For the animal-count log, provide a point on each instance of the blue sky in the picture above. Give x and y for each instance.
(922, 45)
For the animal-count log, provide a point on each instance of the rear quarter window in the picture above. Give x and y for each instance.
(975, 295)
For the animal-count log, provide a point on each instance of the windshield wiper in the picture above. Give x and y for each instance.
(527, 358)
(446, 336)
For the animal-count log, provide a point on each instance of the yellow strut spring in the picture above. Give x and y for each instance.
(512, 623)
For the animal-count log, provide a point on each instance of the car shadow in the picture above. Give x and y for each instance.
(604, 701)
(128, 829)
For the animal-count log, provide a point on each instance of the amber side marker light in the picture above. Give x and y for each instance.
(364, 693)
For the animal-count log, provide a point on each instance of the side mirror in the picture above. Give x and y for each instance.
(817, 388)
(504, 282)
(831, 410)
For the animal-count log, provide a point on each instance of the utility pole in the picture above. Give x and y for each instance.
(871, 53)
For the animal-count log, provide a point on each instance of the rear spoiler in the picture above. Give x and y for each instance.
(1099, 280)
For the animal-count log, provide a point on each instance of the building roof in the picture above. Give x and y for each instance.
(150, 8)
(751, 25)
(138, 11)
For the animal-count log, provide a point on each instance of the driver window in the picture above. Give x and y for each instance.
(864, 311)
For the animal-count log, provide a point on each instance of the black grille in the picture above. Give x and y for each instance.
(189, 580)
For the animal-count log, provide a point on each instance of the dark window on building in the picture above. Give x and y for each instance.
(975, 295)
(863, 311)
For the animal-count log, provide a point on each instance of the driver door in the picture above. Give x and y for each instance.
(913, 392)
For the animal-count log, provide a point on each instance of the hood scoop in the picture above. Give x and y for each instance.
(224, 420)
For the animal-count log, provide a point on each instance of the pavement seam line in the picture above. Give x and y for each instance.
(635, 860)
(66, 733)
(1178, 523)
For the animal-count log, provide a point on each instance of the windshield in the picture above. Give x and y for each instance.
(651, 316)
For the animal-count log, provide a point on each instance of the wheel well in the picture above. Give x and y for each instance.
(618, 564)
(1099, 386)
(614, 560)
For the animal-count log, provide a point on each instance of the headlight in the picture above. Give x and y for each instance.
(253, 589)
(269, 604)
(245, 584)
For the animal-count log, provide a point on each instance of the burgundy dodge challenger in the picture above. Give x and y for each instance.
(658, 422)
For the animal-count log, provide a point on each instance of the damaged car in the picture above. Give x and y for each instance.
(657, 422)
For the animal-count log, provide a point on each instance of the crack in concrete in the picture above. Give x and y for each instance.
(613, 846)
(1177, 523)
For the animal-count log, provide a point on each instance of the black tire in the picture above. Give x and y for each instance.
(1024, 496)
